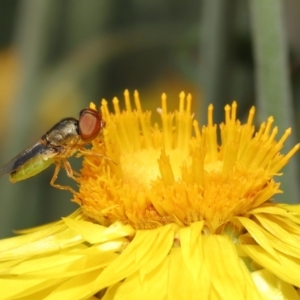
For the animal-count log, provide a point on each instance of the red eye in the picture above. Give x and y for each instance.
(90, 123)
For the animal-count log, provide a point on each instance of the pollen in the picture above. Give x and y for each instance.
(149, 175)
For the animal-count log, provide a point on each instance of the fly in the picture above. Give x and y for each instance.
(62, 141)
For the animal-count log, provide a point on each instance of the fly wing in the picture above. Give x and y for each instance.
(36, 151)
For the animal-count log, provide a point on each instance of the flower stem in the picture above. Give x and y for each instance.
(273, 88)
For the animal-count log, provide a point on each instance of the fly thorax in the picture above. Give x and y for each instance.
(64, 133)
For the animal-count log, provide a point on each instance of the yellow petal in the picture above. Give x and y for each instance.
(14, 288)
(181, 284)
(64, 265)
(271, 287)
(258, 234)
(287, 269)
(294, 208)
(191, 247)
(230, 278)
(154, 285)
(77, 214)
(34, 276)
(17, 241)
(287, 224)
(281, 210)
(111, 291)
(82, 285)
(143, 254)
(60, 240)
(95, 233)
(276, 243)
(273, 209)
(278, 231)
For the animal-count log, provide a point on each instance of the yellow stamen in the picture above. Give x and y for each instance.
(166, 176)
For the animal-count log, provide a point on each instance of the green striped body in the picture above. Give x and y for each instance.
(30, 168)
(30, 162)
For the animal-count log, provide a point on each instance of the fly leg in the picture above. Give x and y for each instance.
(54, 177)
(70, 172)
(83, 151)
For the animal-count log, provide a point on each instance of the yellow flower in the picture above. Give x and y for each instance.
(167, 213)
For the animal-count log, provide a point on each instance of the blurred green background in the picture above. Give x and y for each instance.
(57, 56)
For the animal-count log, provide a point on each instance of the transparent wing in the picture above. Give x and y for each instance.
(38, 151)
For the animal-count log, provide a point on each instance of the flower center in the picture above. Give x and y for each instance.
(147, 177)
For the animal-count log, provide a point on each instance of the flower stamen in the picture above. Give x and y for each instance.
(177, 177)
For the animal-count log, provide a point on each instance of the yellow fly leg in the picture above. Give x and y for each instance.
(83, 151)
(69, 172)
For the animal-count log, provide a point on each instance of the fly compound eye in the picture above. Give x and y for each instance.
(89, 124)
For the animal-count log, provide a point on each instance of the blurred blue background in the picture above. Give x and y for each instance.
(57, 56)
